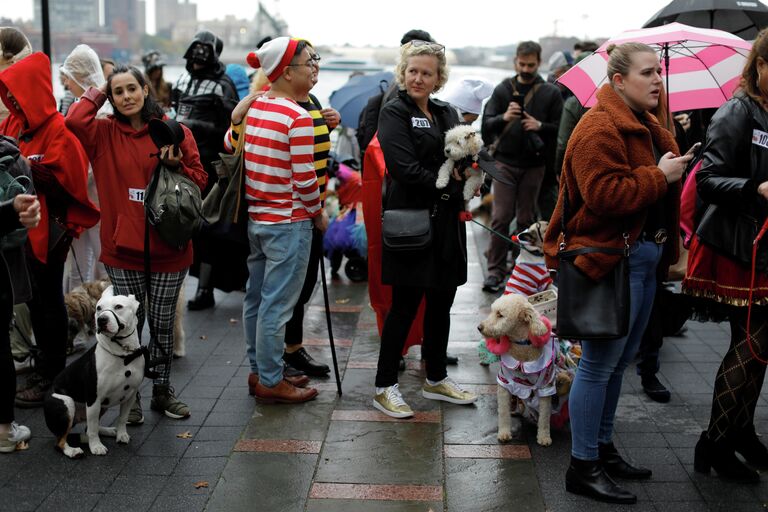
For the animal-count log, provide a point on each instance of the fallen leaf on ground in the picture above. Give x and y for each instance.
(200, 484)
(185, 435)
(203, 337)
(342, 301)
(233, 320)
(20, 447)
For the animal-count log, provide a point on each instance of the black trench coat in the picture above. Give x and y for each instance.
(413, 152)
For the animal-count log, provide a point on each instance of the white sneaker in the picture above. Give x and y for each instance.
(17, 434)
(448, 390)
(391, 403)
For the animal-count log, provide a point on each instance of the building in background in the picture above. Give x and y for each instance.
(171, 13)
(70, 15)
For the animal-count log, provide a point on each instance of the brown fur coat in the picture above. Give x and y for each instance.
(612, 179)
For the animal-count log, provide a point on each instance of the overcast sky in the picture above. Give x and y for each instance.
(455, 24)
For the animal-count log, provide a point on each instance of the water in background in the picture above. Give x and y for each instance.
(330, 80)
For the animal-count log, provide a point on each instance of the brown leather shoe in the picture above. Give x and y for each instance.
(283, 393)
(300, 381)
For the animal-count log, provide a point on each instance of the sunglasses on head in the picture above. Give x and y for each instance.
(439, 48)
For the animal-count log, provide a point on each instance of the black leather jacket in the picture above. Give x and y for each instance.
(735, 162)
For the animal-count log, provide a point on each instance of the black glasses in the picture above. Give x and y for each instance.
(313, 62)
(437, 47)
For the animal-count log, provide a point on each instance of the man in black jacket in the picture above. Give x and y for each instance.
(203, 99)
(522, 117)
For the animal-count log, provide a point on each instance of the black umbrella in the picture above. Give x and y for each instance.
(744, 18)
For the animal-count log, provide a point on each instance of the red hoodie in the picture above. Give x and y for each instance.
(47, 143)
(122, 167)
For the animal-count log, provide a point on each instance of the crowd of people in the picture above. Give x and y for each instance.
(607, 177)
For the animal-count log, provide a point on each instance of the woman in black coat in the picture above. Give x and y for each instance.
(23, 211)
(412, 130)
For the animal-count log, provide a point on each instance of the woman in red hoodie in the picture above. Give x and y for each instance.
(124, 157)
(60, 173)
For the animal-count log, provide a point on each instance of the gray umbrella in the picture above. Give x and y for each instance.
(744, 18)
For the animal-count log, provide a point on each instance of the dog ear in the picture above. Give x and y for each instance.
(108, 292)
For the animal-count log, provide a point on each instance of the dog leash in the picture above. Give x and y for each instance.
(467, 217)
(752, 289)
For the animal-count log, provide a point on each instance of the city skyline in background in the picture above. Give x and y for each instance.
(341, 22)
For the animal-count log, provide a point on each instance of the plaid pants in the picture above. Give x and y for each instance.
(162, 308)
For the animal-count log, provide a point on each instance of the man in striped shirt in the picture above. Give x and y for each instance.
(283, 205)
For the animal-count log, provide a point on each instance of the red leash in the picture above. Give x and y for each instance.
(751, 289)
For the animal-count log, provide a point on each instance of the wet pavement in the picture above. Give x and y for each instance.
(339, 454)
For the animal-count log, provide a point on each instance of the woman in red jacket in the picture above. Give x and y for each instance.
(123, 157)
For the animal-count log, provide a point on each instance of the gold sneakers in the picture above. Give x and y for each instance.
(391, 403)
(448, 391)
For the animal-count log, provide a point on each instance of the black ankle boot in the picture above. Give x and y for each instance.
(721, 457)
(587, 477)
(203, 300)
(617, 467)
(749, 446)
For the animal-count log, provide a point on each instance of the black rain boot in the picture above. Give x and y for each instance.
(749, 446)
(721, 457)
(617, 467)
(587, 477)
(204, 296)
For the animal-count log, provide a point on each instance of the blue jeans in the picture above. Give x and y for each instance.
(277, 266)
(596, 388)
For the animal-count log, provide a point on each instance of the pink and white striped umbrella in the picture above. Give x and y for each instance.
(704, 65)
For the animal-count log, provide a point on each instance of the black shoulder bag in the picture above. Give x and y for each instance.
(589, 309)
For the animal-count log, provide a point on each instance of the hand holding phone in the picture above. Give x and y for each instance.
(520, 100)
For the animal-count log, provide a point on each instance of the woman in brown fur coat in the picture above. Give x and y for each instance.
(622, 179)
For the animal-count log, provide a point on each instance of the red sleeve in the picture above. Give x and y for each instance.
(81, 120)
(190, 160)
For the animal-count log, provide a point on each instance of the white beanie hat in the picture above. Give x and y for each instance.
(274, 56)
(468, 95)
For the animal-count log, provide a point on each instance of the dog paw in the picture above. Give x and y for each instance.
(123, 438)
(543, 440)
(97, 448)
(504, 436)
(74, 453)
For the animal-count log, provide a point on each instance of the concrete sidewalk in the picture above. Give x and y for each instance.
(339, 454)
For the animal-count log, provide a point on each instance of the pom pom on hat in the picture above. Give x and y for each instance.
(273, 56)
(468, 94)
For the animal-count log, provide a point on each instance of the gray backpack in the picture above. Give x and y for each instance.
(15, 179)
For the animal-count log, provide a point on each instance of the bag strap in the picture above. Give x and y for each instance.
(526, 100)
(590, 250)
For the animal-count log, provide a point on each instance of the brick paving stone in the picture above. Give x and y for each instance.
(376, 492)
(328, 505)
(474, 451)
(278, 446)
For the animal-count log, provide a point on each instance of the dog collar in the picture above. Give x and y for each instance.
(522, 342)
(121, 338)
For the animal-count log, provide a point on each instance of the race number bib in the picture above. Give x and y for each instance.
(136, 194)
(760, 138)
(420, 122)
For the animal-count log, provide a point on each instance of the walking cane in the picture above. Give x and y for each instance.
(330, 327)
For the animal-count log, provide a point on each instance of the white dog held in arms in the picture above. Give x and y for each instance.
(462, 149)
(105, 376)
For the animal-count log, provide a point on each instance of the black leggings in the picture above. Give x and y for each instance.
(294, 329)
(740, 376)
(7, 369)
(48, 314)
(437, 325)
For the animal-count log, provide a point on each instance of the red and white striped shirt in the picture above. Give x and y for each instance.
(528, 278)
(280, 179)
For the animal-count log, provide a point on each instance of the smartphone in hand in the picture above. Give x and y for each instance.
(694, 149)
(520, 100)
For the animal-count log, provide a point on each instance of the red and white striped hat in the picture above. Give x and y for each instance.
(274, 56)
